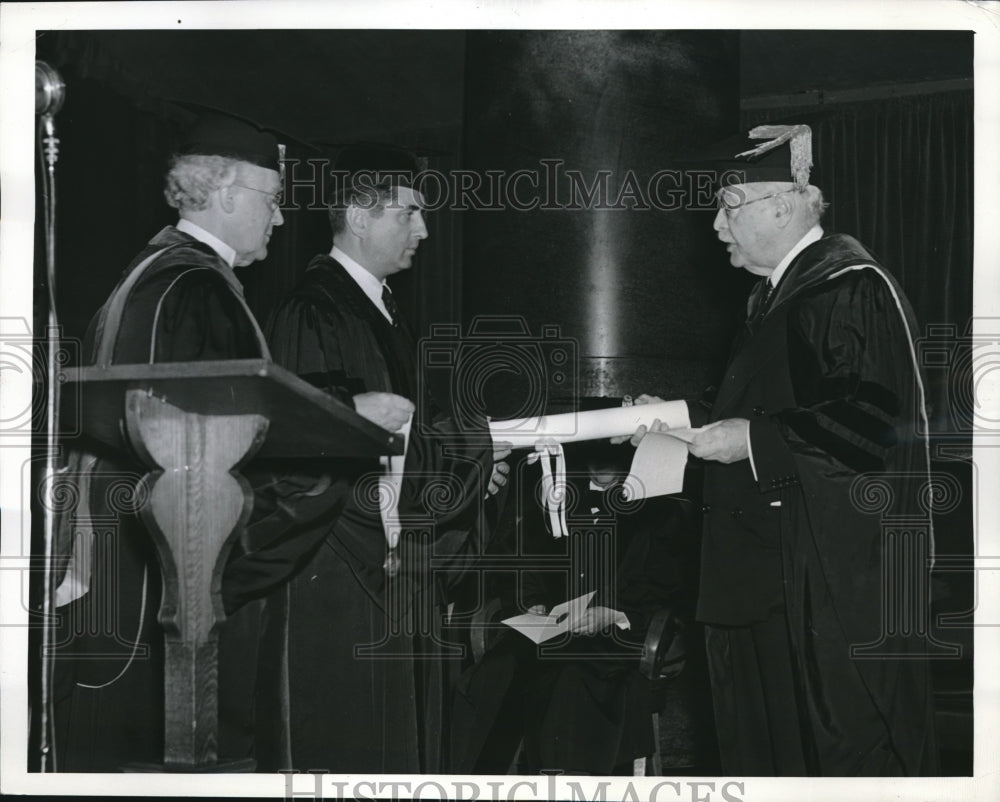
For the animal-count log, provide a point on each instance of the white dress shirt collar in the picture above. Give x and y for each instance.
(369, 285)
(226, 254)
(813, 234)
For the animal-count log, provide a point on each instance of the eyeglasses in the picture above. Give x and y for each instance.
(733, 201)
(274, 199)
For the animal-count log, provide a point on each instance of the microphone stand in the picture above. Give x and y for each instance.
(49, 154)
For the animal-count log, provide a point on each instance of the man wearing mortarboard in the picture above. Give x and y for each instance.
(813, 441)
(178, 301)
(367, 679)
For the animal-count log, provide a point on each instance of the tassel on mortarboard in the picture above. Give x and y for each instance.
(799, 139)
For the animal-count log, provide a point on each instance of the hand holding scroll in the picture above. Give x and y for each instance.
(639, 433)
(723, 441)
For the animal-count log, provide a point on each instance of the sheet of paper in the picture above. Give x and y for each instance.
(658, 465)
(540, 628)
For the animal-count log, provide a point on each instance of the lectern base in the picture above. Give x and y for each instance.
(245, 766)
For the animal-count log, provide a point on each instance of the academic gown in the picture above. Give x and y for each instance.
(364, 669)
(829, 383)
(184, 305)
(579, 703)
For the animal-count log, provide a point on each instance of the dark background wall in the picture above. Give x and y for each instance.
(631, 285)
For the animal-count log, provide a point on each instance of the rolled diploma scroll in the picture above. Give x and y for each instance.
(572, 427)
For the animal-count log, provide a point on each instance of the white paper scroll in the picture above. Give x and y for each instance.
(658, 465)
(598, 424)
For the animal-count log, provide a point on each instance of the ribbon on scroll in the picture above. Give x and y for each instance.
(546, 433)
(553, 462)
(389, 489)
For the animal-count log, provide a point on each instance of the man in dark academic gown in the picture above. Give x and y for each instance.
(578, 703)
(366, 690)
(178, 301)
(814, 435)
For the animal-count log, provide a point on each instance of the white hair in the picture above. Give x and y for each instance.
(192, 178)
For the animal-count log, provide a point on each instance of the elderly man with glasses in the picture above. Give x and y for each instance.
(817, 421)
(180, 301)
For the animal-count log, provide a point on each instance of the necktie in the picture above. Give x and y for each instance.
(768, 294)
(390, 304)
(764, 293)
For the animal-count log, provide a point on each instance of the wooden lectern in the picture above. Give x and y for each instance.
(193, 424)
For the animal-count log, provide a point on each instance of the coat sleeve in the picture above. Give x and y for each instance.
(852, 375)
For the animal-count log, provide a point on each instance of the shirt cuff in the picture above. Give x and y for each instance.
(750, 456)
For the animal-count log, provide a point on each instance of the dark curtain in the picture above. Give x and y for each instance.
(898, 174)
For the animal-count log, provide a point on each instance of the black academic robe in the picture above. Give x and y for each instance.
(578, 703)
(829, 382)
(184, 305)
(361, 657)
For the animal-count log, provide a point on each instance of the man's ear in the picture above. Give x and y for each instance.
(227, 194)
(227, 198)
(783, 211)
(357, 220)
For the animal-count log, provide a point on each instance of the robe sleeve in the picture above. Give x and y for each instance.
(445, 478)
(847, 359)
(307, 339)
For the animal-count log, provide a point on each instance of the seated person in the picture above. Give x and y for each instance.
(578, 703)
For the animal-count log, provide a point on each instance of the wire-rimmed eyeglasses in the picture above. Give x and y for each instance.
(274, 199)
(732, 201)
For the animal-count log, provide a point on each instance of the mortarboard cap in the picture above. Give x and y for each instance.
(765, 153)
(381, 165)
(217, 134)
(399, 166)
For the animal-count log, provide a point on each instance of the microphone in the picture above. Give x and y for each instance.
(50, 91)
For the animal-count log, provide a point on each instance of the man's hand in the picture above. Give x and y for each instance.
(387, 410)
(636, 438)
(499, 477)
(723, 441)
(592, 620)
(501, 451)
